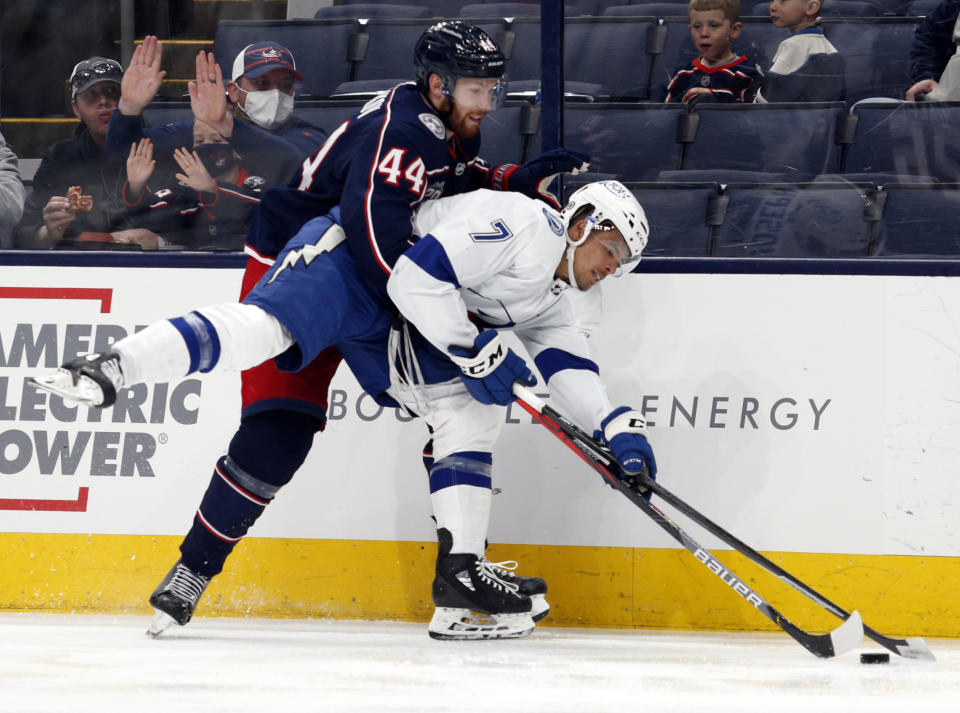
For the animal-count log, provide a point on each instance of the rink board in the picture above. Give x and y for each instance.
(814, 416)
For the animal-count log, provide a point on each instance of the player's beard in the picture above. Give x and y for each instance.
(463, 126)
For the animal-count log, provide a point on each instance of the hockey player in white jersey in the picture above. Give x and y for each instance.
(516, 263)
(485, 264)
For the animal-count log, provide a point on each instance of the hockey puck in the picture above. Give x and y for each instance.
(874, 658)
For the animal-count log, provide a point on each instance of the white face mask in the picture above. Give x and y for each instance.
(268, 109)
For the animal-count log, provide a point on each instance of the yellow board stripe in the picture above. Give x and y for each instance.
(588, 586)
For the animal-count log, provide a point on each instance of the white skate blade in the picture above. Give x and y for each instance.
(452, 624)
(85, 392)
(539, 607)
(160, 623)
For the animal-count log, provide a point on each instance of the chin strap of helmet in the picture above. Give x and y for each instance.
(571, 275)
(572, 249)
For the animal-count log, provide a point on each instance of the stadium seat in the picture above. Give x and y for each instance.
(597, 8)
(820, 220)
(724, 176)
(519, 40)
(160, 113)
(914, 138)
(793, 139)
(679, 213)
(651, 9)
(878, 179)
(919, 8)
(387, 47)
(758, 40)
(573, 91)
(438, 8)
(679, 217)
(509, 9)
(920, 221)
(876, 51)
(328, 114)
(320, 48)
(633, 141)
(366, 88)
(610, 51)
(506, 132)
(368, 10)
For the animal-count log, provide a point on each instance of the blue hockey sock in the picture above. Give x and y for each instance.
(264, 454)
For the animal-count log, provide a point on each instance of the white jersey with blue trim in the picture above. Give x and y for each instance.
(488, 260)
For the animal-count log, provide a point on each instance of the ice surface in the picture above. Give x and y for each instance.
(77, 663)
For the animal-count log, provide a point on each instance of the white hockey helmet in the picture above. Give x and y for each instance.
(613, 206)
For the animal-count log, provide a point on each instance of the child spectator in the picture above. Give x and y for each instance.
(806, 67)
(209, 208)
(719, 73)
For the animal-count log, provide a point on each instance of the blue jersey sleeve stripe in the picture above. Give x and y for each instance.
(430, 256)
(550, 361)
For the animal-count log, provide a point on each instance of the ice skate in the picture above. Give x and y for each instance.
(176, 598)
(90, 380)
(473, 600)
(533, 587)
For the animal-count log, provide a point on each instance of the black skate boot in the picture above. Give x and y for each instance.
(533, 587)
(473, 601)
(176, 598)
(90, 380)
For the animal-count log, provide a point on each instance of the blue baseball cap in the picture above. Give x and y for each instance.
(262, 57)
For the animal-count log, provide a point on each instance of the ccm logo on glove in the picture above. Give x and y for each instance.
(625, 430)
(488, 369)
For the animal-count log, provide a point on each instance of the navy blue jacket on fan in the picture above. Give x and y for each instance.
(933, 42)
(377, 166)
(735, 81)
(274, 156)
(190, 220)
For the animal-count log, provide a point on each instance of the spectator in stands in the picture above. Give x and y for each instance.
(50, 218)
(806, 67)
(276, 156)
(11, 194)
(264, 76)
(210, 204)
(719, 73)
(933, 46)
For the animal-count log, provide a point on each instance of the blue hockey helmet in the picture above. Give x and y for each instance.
(453, 49)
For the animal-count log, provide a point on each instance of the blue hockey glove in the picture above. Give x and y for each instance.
(489, 369)
(625, 431)
(535, 176)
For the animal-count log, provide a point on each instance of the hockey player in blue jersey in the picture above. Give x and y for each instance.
(418, 141)
(507, 258)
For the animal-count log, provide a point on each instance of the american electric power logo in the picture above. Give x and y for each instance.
(49, 436)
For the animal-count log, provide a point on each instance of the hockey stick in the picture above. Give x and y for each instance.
(839, 641)
(600, 458)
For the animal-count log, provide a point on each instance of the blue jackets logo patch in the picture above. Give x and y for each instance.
(433, 124)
